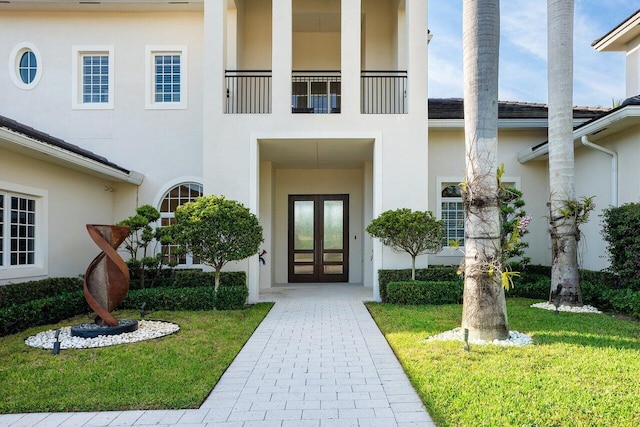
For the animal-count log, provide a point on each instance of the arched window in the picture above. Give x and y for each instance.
(452, 214)
(176, 196)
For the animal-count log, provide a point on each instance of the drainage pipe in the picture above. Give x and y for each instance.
(614, 167)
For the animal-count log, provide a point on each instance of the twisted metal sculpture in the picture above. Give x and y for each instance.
(106, 281)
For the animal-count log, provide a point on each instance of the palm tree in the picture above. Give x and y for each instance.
(565, 287)
(484, 311)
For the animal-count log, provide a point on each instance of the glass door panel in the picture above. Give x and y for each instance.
(318, 243)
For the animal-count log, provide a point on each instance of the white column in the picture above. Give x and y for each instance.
(350, 55)
(214, 53)
(416, 20)
(281, 59)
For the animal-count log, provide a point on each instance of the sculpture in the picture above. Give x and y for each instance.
(106, 281)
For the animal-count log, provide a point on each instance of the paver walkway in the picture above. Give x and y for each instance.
(317, 359)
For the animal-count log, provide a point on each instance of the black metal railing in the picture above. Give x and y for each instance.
(248, 91)
(316, 92)
(383, 92)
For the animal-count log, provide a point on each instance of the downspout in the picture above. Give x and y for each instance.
(614, 167)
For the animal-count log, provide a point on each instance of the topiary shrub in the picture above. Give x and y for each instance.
(231, 297)
(421, 293)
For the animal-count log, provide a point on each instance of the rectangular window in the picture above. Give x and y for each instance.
(166, 75)
(17, 230)
(92, 74)
(167, 78)
(22, 225)
(95, 79)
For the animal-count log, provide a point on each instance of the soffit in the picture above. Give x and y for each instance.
(316, 153)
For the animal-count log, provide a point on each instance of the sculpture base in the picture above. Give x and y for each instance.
(91, 330)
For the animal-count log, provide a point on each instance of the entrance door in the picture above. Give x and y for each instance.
(318, 238)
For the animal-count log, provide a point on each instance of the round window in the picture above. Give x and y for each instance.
(25, 66)
(28, 67)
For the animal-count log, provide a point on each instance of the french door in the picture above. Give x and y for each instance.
(318, 238)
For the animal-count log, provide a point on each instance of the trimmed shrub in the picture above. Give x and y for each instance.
(621, 232)
(20, 293)
(431, 274)
(530, 285)
(193, 279)
(192, 298)
(231, 297)
(420, 293)
(42, 312)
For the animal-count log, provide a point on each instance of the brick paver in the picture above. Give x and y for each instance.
(317, 359)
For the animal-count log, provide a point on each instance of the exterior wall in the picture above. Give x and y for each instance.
(161, 144)
(400, 148)
(593, 178)
(446, 160)
(70, 199)
(254, 42)
(380, 35)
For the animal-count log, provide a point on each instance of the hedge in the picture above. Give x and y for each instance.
(431, 274)
(20, 293)
(42, 312)
(185, 290)
(192, 278)
(422, 292)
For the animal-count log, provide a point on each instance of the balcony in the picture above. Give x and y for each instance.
(248, 91)
(383, 92)
(316, 92)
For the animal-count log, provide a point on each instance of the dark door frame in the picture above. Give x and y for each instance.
(318, 250)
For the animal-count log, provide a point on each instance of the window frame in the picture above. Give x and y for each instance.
(441, 183)
(40, 265)
(14, 65)
(151, 51)
(77, 75)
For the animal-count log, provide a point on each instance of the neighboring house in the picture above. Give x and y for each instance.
(312, 113)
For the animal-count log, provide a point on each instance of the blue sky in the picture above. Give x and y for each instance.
(599, 78)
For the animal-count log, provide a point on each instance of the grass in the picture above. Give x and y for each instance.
(582, 370)
(176, 371)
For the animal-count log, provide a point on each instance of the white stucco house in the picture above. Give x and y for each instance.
(312, 113)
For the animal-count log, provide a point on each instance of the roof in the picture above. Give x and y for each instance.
(62, 149)
(453, 108)
(600, 126)
(617, 39)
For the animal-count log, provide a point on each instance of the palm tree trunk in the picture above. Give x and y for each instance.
(565, 286)
(484, 311)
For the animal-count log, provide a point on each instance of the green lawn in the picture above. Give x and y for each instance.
(582, 370)
(175, 371)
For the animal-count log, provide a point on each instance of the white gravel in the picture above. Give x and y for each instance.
(147, 330)
(515, 338)
(584, 309)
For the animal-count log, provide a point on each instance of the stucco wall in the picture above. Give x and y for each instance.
(161, 144)
(446, 159)
(71, 200)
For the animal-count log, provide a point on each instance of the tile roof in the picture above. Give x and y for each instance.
(452, 108)
(37, 135)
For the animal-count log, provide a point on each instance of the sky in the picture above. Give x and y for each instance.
(599, 78)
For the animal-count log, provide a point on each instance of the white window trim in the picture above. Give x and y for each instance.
(449, 250)
(76, 77)
(41, 267)
(149, 71)
(14, 63)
